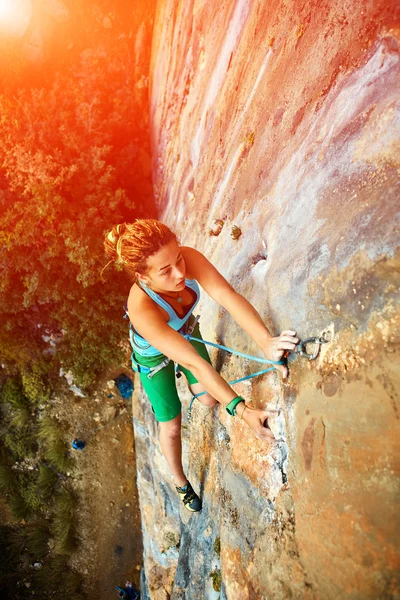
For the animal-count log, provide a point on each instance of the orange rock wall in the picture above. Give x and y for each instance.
(282, 119)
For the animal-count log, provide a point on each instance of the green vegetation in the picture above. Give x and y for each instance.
(216, 579)
(34, 386)
(32, 539)
(74, 160)
(63, 522)
(29, 492)
(54, 447)
(8, 479)
(33, 459)
(217, 546)
(46, 480)
(29, 544)
(59, 576)
(19, 507)
(21, 442)
(20, 419)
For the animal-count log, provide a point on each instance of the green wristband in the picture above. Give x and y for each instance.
(231, 407)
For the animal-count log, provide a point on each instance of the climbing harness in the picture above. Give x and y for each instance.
(189, 332)
(151, 371)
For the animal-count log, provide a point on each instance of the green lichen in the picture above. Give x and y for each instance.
(217, 546)
(216, 579)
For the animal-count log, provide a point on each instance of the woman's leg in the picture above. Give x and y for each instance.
(171, 446)
(194, 385)
(161, 390)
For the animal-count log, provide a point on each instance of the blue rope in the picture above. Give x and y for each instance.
(243, 355)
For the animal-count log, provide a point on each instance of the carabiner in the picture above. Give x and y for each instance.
(301, 347)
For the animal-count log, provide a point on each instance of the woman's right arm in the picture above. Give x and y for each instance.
(153, 328)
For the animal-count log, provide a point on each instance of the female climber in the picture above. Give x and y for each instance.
(165, 291)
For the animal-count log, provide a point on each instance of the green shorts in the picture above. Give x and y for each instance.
(161, 388)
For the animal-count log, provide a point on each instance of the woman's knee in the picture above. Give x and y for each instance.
(171, 429)
(207, 400)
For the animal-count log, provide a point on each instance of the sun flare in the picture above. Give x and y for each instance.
(15, 16)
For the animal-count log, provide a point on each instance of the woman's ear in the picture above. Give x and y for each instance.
(141, 279)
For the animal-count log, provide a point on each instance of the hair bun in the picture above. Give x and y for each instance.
(112, 241)
(117, 231)
(110, 237)
(120, 229)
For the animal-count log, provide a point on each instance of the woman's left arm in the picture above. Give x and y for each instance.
(239, 308)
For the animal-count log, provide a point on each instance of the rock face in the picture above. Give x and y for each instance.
(282, 120)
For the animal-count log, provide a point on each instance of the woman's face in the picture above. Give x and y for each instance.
(166, 269)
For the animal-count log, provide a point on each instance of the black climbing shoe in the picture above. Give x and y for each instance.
(189, 497)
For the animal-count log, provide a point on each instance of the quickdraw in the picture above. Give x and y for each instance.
(318, 341)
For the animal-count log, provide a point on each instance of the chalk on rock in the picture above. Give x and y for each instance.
(216, 227)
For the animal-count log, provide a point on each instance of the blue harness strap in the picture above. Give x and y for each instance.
(149, 371)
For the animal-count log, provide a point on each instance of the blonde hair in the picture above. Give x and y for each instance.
(129, 245)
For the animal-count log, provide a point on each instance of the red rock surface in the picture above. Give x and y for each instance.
(282, 119)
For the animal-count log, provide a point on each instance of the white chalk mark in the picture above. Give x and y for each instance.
(236, 131)
(235, 29)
